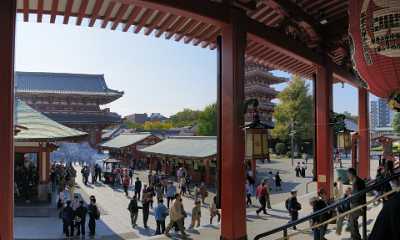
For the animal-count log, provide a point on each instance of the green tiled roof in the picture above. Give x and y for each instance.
(191, 147)
(39, 127)
(125, 139)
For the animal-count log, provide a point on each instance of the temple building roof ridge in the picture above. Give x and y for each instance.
(65, 83)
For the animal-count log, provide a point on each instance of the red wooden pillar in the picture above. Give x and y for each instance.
(7, 37)
(233, 225)
(324, 134)
(363, 129)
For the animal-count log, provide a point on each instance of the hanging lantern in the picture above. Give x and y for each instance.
(256, 135)
(344, 139)
(375, 34)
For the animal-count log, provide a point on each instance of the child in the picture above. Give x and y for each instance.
(196, 214)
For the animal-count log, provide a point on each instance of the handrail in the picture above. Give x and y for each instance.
(328, 208)
(304, 231)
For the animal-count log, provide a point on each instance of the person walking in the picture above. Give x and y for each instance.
(133, 209)
(214, 210)
(297, 169)
(138, 188)
(176, 216)
(170, 192)
(293, 206)
(196, 215)
(203, 192)
(303, 170)
(126, 182)
(342, 208)
(68, 220)
(94, 214)
(278, 182)
(80, 218)
(146, 206)
(248, 194)
(357, 185)
(160, 213)
(262, 198)
(318, 232)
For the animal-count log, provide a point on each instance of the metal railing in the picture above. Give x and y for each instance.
(371, 186)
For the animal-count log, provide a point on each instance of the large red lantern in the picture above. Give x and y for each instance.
(375, 32)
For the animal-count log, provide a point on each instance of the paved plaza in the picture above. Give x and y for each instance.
(115, 220)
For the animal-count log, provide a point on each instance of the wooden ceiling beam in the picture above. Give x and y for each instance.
(120, 14)
(96, 9)
(82, 11)
(132, 17)
(281, 43)
(54, 9)
(40, 11)
(156, 20)
(26, 10)
(68, 10)
(295, 12)
(143, 20)
(107, 14)
(205, 11)
(175, 27)
(165, 25)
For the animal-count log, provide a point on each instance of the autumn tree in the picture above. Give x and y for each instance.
(295, 107)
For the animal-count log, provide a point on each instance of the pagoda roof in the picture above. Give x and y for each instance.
(37, 127)
(85, 118)
(264, 75)
(65, 83)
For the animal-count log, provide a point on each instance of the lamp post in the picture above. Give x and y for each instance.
(292, 133)
(256, 135)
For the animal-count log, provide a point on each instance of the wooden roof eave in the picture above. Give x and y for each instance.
(162, 155)
(49, 140)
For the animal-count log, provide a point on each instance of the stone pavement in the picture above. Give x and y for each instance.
(115, 221)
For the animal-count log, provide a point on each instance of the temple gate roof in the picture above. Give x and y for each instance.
(65, 83)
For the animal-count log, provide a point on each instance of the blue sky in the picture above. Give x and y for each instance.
(157, 75)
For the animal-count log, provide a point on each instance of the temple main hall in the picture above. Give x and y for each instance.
(73, 100)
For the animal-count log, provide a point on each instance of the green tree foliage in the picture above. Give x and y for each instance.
(149, 126)
(280, 148)
(184, 118)
(207, 122)
(295, 105)
(350, 116)
(396, 122)
(133, 125)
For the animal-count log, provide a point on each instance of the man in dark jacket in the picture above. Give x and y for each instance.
(357, 185)
(388, 221)
(319, 232)
(293, 207)
(94, 214)
(138, 188)
(80, 218)
(68, 220)
(133, 210)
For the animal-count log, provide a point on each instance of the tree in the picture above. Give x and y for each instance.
(133, 125)
(350, 116)
(396, 123)
(207, 122)
(295, 107)
(280, 148)
(149, 126)
(184, 118)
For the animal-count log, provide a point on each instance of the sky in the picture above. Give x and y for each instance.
(157, 75)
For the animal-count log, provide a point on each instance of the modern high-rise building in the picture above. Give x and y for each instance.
(381, 115)
(373, 117)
